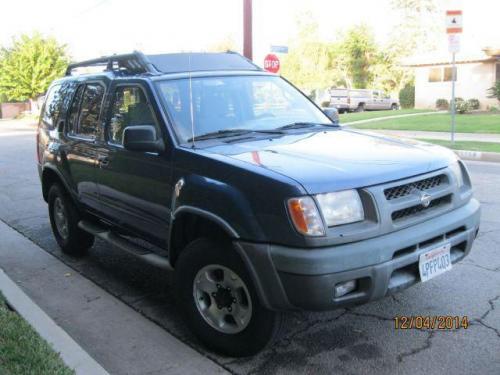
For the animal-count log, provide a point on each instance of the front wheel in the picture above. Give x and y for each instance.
(219, 300)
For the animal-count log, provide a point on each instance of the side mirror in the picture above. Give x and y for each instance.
(142, 138)
(333, 114)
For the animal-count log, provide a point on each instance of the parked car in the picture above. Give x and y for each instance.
(360, 100)
(244, 188)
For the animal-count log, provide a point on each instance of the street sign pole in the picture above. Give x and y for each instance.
(453, 29)
(453, 104)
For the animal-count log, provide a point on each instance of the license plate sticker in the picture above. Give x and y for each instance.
(434, 262)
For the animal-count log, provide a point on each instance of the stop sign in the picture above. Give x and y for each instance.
(272, 63)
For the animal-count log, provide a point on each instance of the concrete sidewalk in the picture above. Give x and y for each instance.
(476, 137)
(119, 338)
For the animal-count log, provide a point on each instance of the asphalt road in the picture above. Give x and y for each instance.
(354, 341)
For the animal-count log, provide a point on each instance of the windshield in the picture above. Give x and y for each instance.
(239, 103)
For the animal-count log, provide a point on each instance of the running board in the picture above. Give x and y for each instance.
(125, 245)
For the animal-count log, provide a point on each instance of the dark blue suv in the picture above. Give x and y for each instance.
(207, 165)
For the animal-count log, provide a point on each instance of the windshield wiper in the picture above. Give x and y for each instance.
(231, 132)
(301, 125)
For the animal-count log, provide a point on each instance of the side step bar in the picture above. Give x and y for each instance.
(125, 245)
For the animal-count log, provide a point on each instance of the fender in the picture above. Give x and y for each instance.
(216, 201)
(49, 167)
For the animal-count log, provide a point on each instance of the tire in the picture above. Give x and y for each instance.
(261, 325)
(361, 107)
(394, 107)
(71, 239)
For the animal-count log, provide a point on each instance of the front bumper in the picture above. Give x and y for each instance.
(291, 278)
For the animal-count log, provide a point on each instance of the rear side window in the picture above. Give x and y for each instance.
(52, 107)
(130, 108)
(83, 120)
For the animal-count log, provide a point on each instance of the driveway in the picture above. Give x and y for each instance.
(353, 341)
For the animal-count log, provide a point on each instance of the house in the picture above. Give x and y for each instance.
(475, 74)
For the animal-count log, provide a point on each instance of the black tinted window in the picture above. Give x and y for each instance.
(130, 108)
(90, 110)
(74, 110)
(52, 106)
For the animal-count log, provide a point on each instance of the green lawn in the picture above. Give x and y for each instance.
(467, 145)
(356, 116)
(22, 351)
(440, 122)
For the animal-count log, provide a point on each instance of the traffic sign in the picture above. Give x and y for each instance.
(272, 63)
(279, 49)
(454, 21)
(454, 43)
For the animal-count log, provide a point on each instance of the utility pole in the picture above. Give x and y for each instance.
(247, 29)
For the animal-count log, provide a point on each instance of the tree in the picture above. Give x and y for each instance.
(223, 45)
(418, 31)
(30, 65)
(309, 61)
(360, 51)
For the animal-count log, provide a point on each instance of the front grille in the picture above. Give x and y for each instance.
(410, 211)
(404, 190)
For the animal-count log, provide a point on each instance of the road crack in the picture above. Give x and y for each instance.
(287, 340)
(427, 345)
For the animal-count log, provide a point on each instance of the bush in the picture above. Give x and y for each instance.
(462, 106)
(407, 96)
(442, 104)
(494, 92)
(473, 103)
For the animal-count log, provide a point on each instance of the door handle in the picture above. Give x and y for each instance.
(103, 161)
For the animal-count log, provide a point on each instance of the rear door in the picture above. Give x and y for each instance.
(82, 124)
(134, 187)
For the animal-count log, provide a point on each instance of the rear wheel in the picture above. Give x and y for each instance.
(219, 300)
(64, 218)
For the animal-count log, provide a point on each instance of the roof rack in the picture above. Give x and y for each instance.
(138, 63)
(130, 63)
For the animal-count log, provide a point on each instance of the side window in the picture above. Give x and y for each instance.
(74, 110)
(90, 109)
(130, 108)
(52, 106)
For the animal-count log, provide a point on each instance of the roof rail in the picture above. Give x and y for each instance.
(131, 63)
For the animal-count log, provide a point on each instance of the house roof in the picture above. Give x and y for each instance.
(444, 58)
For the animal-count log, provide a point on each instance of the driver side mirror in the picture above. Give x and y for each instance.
(142, 138)
(333, 114)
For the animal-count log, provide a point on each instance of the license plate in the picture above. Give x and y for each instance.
(435, 262)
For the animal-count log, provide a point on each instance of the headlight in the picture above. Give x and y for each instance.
(457, 171)
(305, 216)
(341, 207)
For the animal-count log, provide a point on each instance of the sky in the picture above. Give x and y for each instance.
(99, 27)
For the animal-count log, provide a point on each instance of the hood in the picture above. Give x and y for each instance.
(339, 159)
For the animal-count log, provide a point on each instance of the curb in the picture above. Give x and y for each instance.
(71, 353)
(493, 157)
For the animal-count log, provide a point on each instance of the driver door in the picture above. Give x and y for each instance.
(134, 187)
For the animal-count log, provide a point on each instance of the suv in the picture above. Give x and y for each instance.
(207, 165)
(360, 100)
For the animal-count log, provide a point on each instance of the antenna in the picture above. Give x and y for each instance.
(191, 109)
